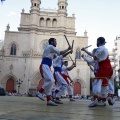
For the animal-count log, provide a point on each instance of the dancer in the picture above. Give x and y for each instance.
(61, 83)
(45, 70)
(96, 84)
(105, 70)
(66, 76)
(100, 89)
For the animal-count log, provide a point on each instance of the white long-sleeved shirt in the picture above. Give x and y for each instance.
(49, 52)
(92, 62)
(101, 53)
(57, 62)
(64, 70)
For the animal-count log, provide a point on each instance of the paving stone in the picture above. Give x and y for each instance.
(31, 108)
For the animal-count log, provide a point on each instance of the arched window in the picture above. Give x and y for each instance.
(13, 49)
(41, 21)
(78, 54)
(48, 22)
(34, 4)
(54, 23)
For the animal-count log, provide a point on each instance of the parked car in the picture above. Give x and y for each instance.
(2, 92)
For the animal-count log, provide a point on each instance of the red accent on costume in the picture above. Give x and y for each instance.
(41, 90)
(55, 78)
(41, 71)
(65, 77)
(105, 70)
(56, 91)
(103, 99)
(111, 95)
(48, 97)
(95, 97)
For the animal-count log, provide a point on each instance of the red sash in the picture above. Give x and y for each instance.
(66, 78)
(41, 70)
(104, 70)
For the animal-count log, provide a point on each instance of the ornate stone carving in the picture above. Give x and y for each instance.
(11, 67)
(26, 53)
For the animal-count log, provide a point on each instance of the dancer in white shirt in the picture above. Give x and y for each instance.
(66, 76)
(61, 83)
(100, 89)
(46, 72)
(105, 70)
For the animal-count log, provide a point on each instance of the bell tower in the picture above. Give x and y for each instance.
(62, 7)
(34, 12)
(34, 23)
(62, 14)
(35, 6)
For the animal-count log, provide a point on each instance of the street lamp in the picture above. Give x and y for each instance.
(19, 82)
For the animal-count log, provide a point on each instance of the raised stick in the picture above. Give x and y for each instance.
(67, 41)
(71, 59)
(75, 60)
(72, 44)
(87, 47)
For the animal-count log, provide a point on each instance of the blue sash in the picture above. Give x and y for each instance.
(47, 61)
(57, 69)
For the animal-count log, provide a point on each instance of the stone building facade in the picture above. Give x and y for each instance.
(116, 51)
(21, 54)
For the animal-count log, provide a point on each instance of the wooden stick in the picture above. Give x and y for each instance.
(87, 47)
(67, 41)
(72, 44)
(75, 60)
(71, 59)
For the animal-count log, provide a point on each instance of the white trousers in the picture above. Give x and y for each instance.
(48, 79)
(111, 85)
(104, 91)
(70, 90)
(98, 89)
(61, 84)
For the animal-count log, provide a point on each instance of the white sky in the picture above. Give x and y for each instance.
(98, 17)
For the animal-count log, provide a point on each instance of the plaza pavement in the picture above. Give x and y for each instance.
(31, 108)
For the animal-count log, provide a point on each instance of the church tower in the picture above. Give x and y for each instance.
(34, 23)
(35, 12)
(62, 13)
(35, 6)
(62, 7)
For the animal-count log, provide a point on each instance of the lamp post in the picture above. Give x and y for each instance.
(19, 82)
